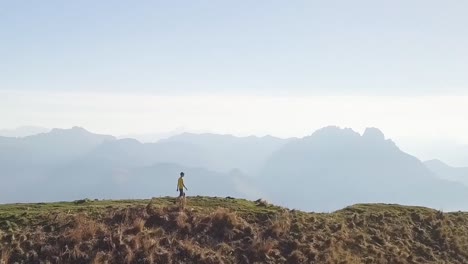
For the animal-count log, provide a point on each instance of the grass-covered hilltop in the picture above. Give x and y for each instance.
(225, 230)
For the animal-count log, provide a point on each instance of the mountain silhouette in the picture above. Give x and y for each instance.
(225, 152)
(72, 163)
(336, 167)
(451, 152)
(328, 170)
(29, 160)
(446, 172)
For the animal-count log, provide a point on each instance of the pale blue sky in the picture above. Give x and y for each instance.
(398, 47)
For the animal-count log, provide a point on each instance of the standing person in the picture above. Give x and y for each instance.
(181, 185)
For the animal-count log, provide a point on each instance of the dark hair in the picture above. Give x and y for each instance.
(182, 174)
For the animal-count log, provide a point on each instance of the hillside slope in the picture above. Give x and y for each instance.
(225, 230)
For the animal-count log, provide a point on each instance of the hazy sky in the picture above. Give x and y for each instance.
(265, 67)
(421, 117)
(333, 47)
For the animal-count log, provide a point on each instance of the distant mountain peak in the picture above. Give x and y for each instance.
(373, 134)
(77, 128)
(73, 133)
(210, 136)
(128, 141)
(74, 129)
(335, 131)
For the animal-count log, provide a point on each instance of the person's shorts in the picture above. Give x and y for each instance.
(181, 192)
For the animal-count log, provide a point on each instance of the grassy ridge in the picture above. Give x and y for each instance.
(221, 230)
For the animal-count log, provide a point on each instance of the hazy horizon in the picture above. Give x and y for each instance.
(249, 68)
(449, 152)
(280, 116)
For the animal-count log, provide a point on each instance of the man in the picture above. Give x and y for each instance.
(181, 185)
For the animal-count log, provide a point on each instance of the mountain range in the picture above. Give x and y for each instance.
(23, 131)
(446, 172)
(325, 171)
(449, 151)
(336, 167)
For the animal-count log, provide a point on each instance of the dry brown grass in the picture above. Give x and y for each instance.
(167, 234)
(5, 255)
(280, 225)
